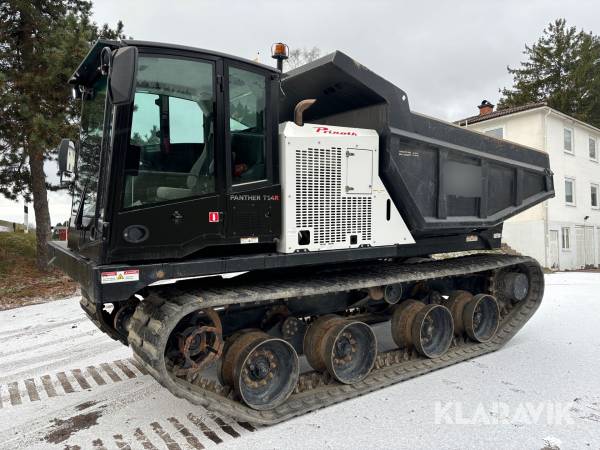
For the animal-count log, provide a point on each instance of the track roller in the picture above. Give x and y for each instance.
(392, 293)
(428, 328)
(345, 348)
(263, 370)
(456, 304)
(478, 316)
(481, 317)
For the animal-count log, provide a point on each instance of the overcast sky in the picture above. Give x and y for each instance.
(446, 55)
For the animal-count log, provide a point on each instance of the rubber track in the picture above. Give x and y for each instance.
(93, 311)
(156, 317)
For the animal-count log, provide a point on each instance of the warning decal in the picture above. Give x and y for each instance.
(120, 276)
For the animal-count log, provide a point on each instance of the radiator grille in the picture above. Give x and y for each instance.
(320, 203)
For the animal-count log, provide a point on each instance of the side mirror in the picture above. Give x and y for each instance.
(66, 157)
(122, 76)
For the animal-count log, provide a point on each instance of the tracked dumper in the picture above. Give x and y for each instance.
(262, 241)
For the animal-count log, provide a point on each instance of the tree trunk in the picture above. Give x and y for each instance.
(40, 206)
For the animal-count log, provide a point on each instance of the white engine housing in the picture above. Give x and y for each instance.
(331, 190)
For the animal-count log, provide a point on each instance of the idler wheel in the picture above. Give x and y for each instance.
(262, 370)
(514, 285)
(428, 328)
(346, 349)
(481, 317)
(122, 317)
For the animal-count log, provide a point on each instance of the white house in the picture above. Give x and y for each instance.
(563, 232)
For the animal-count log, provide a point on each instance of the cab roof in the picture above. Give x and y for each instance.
(87, 70)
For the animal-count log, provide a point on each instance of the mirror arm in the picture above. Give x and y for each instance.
(106, 56)
(79, 216)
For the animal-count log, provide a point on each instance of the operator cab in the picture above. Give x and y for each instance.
(175, 153)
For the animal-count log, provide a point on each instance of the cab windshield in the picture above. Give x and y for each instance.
(90, 143)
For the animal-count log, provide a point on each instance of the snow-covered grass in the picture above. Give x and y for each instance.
(21, 283)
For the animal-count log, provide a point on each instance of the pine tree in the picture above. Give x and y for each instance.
(562, 69)
(41, 43)
(586, 77)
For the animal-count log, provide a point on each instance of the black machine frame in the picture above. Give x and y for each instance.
(89, 274)
(348, 95)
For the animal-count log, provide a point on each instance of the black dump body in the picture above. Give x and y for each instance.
(443, 179)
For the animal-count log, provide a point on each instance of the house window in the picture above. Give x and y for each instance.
(570, 191)
(566, 238)
(594, 193)
(593, 149)
(568, 140)
(496, 132)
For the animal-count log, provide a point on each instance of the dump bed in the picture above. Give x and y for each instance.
(444, 179)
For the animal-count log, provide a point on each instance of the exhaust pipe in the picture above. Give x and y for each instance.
(300, 108)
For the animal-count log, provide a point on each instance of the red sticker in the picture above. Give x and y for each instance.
(213, 216)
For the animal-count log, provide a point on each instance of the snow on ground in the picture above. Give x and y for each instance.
(64, 385)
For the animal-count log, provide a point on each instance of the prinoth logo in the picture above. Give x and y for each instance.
(327, 130)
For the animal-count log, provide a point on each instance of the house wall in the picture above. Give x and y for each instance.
(523, 128)
(584, 171)
(577, 166)
(526, 237)
(544, 129)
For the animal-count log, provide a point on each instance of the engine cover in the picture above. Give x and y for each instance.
(332, 195)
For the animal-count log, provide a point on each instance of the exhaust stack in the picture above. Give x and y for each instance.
(299, 110)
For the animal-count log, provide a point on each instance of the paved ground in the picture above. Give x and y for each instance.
(63, 385)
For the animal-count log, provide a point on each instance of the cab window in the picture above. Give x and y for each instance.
(247, 118)
(171, 147)
(88, 163)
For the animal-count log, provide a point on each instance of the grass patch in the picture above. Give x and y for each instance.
(21, 283)
(19, 246)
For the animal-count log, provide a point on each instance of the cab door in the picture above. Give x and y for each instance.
(171, 199)
(254, 194)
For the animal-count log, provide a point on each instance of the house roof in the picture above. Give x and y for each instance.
(499, 113)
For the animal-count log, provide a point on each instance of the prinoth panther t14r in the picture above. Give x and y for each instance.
(262, 241)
